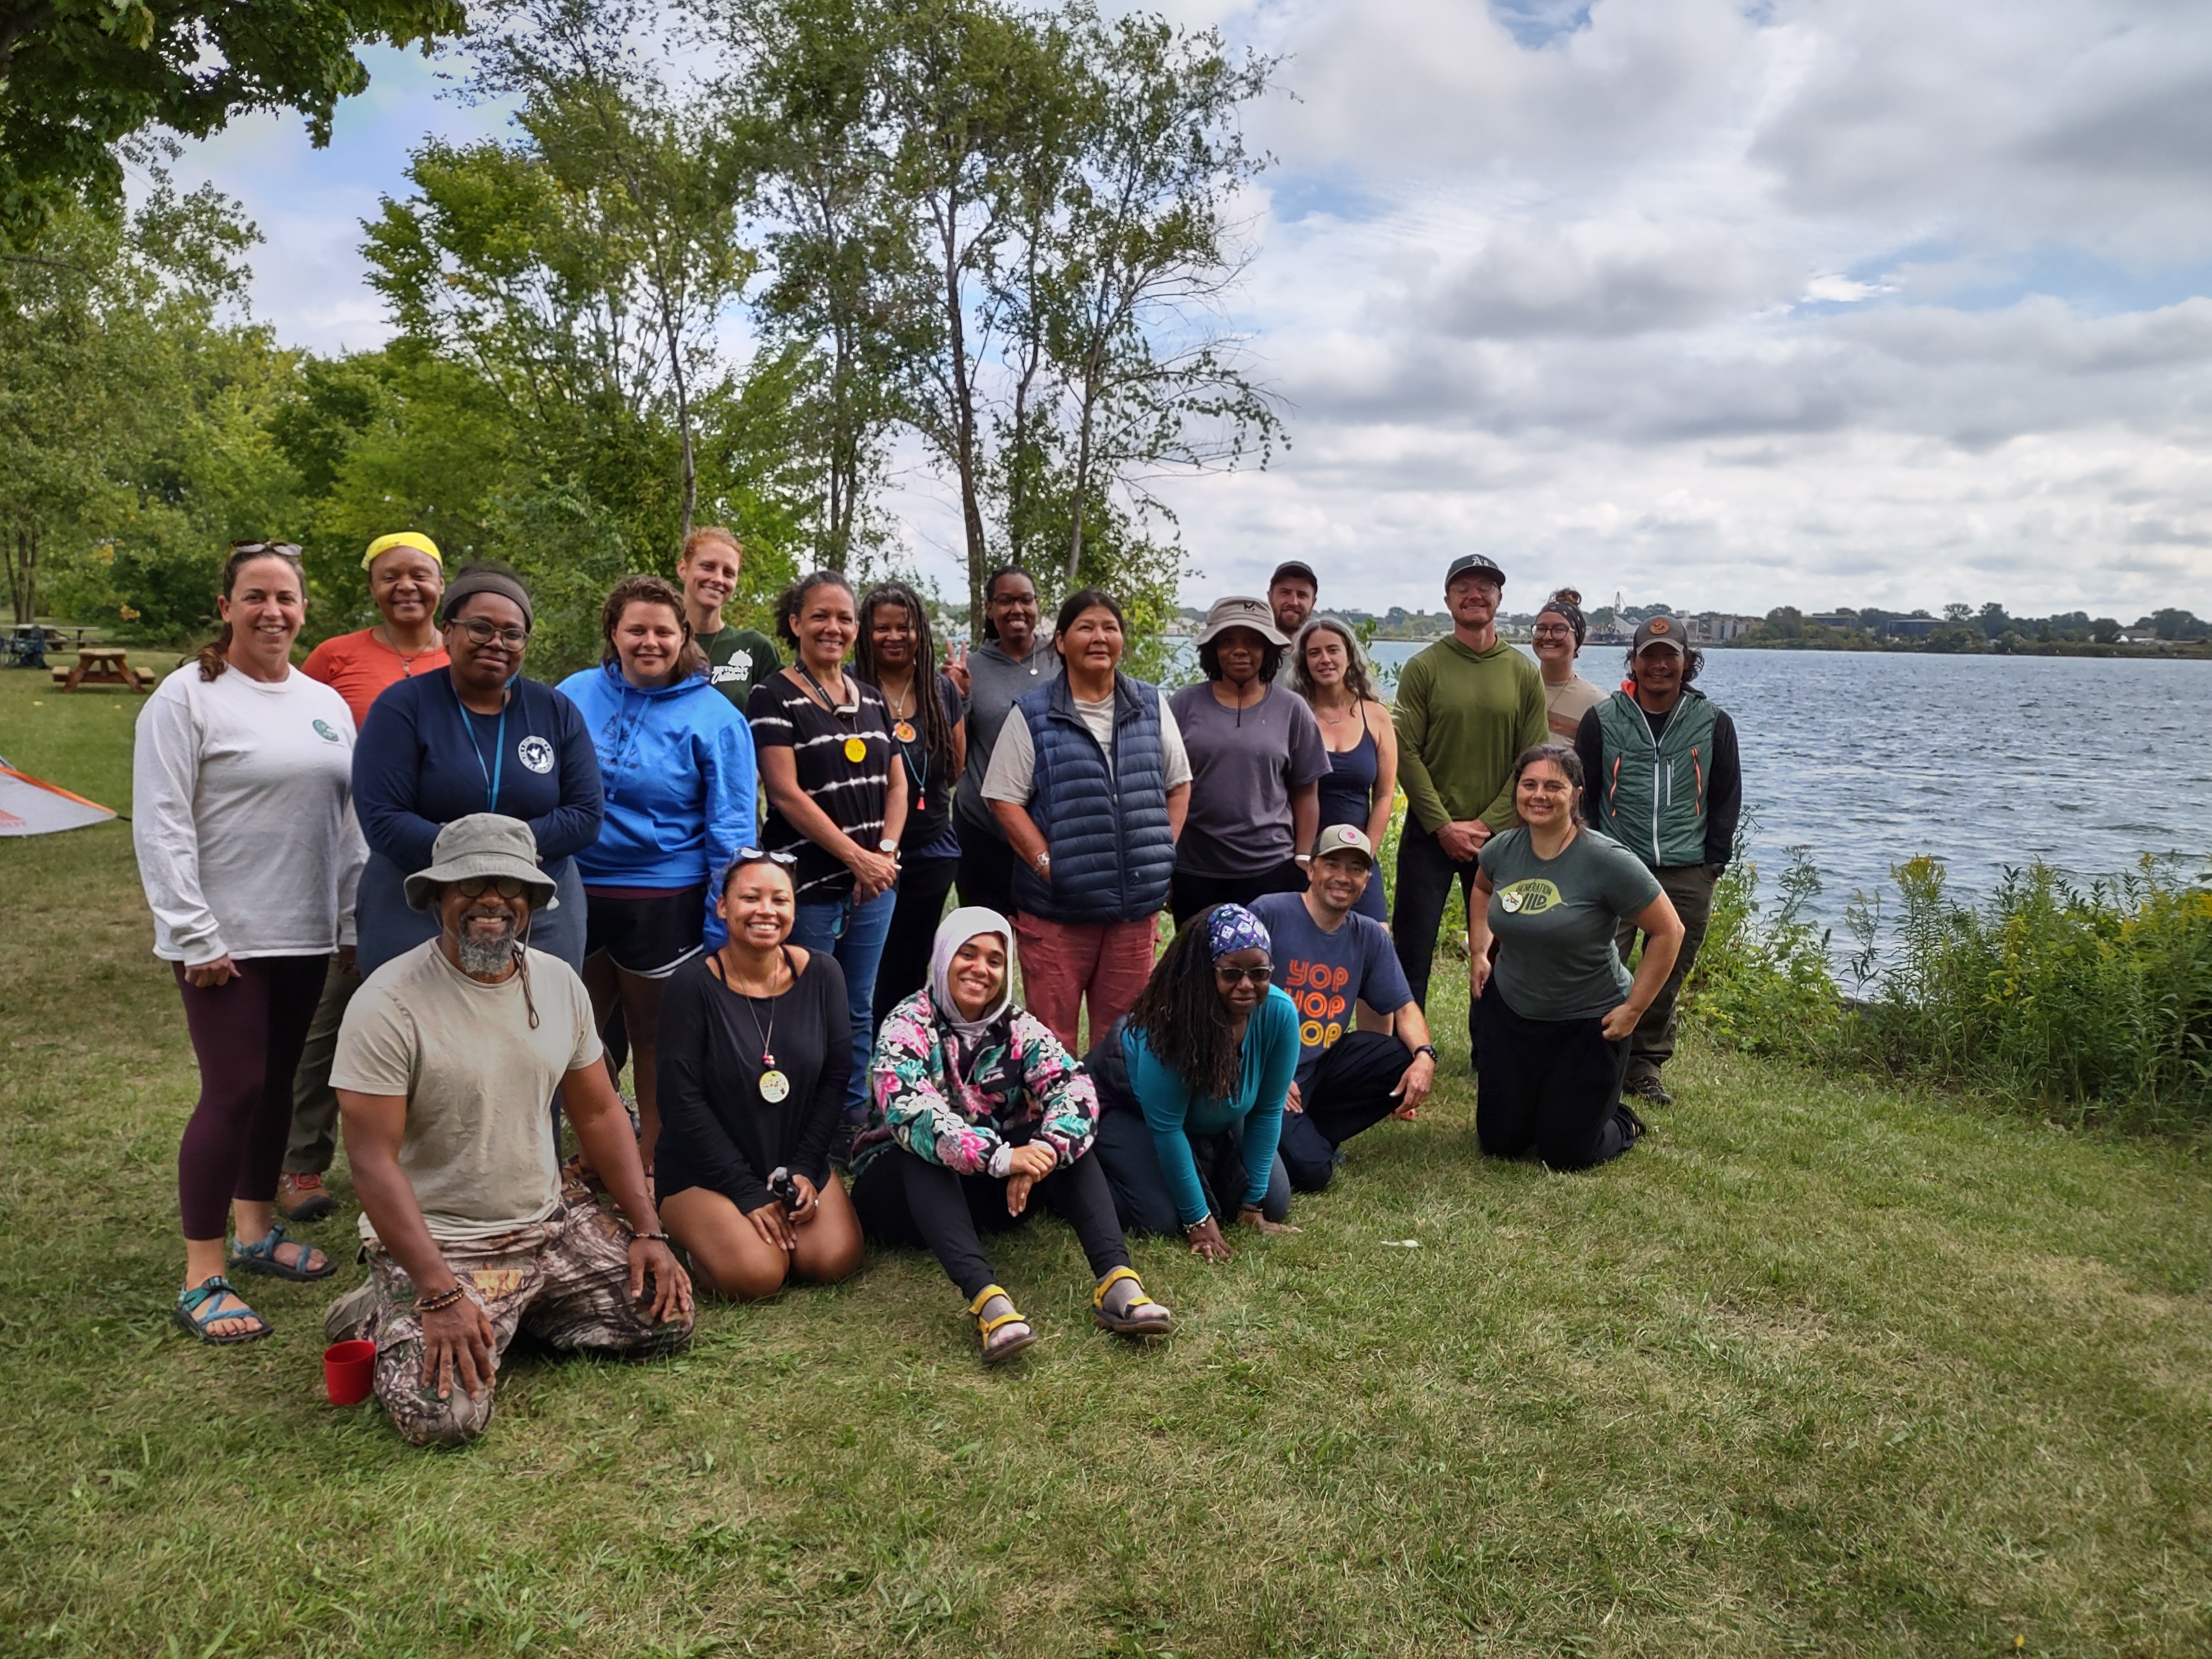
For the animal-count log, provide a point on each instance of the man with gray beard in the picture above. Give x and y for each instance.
(446, 1068)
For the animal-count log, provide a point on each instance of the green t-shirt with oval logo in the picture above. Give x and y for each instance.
(1555, 919)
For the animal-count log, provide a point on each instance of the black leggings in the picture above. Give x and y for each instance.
(1550, 1086)
(246, 1034)
(904, 966)
(1349, 1091)
(987, 867)
(902, 1200)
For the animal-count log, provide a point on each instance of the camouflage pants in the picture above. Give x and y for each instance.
(564, 1279)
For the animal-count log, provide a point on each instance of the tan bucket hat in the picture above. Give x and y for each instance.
(487, 844)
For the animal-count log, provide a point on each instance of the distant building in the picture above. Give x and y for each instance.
(1911, 628)
(1717, 626)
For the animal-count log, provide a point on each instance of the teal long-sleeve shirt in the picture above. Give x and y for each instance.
(1267, 1062)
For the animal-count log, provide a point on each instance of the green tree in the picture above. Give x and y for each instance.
(79, 77)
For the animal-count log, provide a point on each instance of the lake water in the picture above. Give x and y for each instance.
(1866, 760)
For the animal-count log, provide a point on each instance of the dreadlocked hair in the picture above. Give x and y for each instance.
(1182, 1017)
(649, 590)
(215, 657)
(928, 705)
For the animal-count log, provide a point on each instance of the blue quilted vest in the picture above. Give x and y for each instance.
(1107, 830)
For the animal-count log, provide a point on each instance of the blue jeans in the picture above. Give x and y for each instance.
(854, 935)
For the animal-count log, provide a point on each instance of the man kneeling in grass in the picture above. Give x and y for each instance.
(446, 1063)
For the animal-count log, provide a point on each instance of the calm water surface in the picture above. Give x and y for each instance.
(1865, 761)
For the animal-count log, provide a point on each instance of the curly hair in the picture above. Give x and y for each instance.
(1357, 680)
(1182, 1019)
(1693, 662)
(1561, 755)
(929, 707)
(649, 590)
(792, 600)
(214, 657)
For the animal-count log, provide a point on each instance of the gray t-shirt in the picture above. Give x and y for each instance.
(1328, 974)
(996, 683)
(1555, 921)
(479, 1148)
(1243, 764)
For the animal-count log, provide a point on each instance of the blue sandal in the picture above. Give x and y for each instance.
(261, 1258)
(196, 1311)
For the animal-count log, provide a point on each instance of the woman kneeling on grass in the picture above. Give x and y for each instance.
(755, 1055)
(975, 1108)
(1191, 1086)
(1559, 1007)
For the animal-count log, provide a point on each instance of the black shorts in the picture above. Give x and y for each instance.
(650, 934)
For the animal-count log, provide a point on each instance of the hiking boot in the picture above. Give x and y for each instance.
(1651, 1088)
(303, 1197)
(347, 1318)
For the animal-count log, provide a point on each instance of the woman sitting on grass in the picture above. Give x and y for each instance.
(1558, 1006)
(755, 1053)
(1191, 1087)
(973, 1110)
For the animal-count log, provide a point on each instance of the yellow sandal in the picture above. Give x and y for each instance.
(1121, 1324)
(985, 1328)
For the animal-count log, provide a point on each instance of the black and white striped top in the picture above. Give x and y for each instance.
(852, 791)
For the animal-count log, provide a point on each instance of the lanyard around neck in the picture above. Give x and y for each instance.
(491, 773)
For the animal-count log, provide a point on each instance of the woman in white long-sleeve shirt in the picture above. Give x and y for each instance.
(242, 816)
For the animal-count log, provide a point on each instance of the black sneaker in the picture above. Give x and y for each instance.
(1633, 1124)
(1651, 1088)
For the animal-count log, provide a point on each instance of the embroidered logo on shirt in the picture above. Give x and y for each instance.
(327, 733)
(535, 753)
(1528, 898)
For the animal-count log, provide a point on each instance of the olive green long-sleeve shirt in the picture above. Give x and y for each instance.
(1462, 716)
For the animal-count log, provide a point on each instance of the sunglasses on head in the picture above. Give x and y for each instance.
(507, 887)
(761, 855)
(281, 550)
(1259, 975)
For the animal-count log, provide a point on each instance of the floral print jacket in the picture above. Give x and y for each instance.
(949, 1104)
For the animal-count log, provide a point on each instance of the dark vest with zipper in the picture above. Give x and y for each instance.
(1105, 827)
(1652, 797)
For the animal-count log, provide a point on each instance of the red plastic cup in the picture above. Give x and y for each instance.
(350, 1371)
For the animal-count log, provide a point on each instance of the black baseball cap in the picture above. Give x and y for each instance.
(1666, 632)
(1475, 564)
(1295, 568)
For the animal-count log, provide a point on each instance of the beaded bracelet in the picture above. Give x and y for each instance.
(438, 1304)
(657, 1238)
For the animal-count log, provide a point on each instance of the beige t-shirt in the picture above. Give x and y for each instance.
(479, 1148)
(1565, 705)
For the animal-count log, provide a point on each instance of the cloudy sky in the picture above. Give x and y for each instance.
(1730, 305)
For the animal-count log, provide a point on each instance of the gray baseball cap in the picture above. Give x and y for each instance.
(1344, 838)
(487, 844)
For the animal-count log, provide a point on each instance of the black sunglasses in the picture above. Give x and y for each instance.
(1228, 975)
(761, 855)
(476, 886)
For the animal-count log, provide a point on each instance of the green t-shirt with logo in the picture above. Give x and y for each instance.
(1555, 919)
(738, 659)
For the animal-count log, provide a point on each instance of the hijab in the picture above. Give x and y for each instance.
(955, 931)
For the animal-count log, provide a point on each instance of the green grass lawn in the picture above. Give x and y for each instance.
(1819, 1368)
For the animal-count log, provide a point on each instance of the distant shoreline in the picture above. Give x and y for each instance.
(2170, 650)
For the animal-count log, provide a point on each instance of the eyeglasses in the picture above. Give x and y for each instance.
(484, 633)
(1259, 975)
(476, 886)
(1551, 630)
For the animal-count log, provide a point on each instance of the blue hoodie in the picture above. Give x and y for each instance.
(681, 787)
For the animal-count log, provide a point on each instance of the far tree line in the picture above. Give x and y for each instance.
(732, 259)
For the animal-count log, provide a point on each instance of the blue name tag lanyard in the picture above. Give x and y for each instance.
(491, 773)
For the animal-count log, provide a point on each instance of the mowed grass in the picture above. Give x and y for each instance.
(1819, 1368)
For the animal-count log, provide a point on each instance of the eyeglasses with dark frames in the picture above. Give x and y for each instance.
(484, 633)
(1259, 976)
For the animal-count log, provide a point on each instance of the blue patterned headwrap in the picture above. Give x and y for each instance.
(1232, 927)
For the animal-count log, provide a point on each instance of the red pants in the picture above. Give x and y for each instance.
(1062, 962)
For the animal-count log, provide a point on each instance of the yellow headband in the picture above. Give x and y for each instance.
(414, 538)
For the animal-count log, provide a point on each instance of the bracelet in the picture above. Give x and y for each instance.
(1428, 1048)
(1196, 1224)
(656, 1238)
(439, 1303)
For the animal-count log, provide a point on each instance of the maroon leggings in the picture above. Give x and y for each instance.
(247, 1034)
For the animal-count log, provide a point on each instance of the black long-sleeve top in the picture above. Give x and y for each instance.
(716, 1132)
(1723, 783)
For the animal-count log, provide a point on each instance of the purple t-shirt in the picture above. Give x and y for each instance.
(1243, 764)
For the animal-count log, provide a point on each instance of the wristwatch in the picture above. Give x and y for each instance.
(1428, 1048)
(1043, 862)
(1303, 859)
(888, 847)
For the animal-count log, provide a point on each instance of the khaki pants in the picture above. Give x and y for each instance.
(564, 1279)
(314, 1139)
(1690, 886)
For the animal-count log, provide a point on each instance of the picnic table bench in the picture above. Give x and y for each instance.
(102, 665)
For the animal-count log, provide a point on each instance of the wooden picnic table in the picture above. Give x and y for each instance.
(100, 665)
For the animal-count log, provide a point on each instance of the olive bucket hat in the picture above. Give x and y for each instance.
(490, 845)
